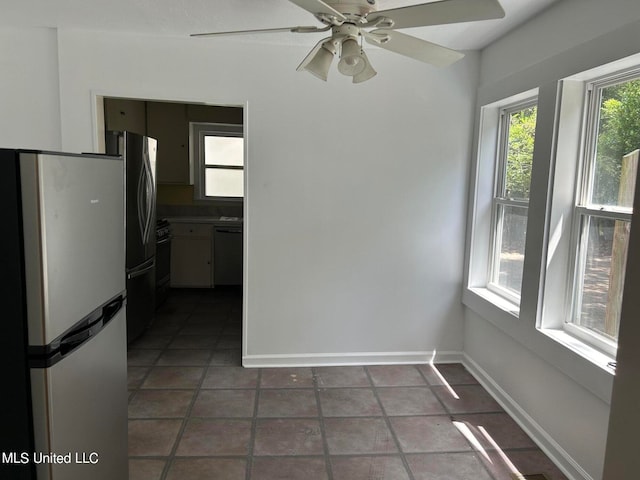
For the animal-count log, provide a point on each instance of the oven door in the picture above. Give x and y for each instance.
(163, 272)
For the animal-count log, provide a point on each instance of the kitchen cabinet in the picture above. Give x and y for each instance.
(122, 114)
(168, 123)
(192, 255)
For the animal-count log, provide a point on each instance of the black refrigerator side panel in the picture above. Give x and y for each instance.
(16, 417)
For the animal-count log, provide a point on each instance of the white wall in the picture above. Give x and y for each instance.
(564, 25)
(29, 100)
(561, 398)
(355, 193)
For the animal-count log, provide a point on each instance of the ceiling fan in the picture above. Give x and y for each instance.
(352, 20)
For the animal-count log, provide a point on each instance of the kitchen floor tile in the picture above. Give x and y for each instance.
(207, 469)
(496, 429)
(428, 434)
(145, 469)
(471, 399)
(224, 403)
(152, 438)
(142, 357)
(447, 373)
(196, 413)
(410, 401)
(379, 467)
(173, 377)
(230, 377)
(160, 403)
(285, 402)
(327, 377)
(358, 436)
(226, 357)
(286, 378)
(150, 341)
(504, 464)
(136, 375)
(286, 436)
(184, 357)
(395, 375)
(447, 466)
(215, 437)
(349, 402)
(199, 318)
(201, 329)
(194, 341)
(289, 468)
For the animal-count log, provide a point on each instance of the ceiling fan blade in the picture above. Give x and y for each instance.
(413, 47)
(263, 30)
(438, 13)
(318, 7)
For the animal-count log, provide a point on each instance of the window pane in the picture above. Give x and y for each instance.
(604, 259)
(519, 148)
(509, 247)
(223, 150)
(618, 137)
(222, 182)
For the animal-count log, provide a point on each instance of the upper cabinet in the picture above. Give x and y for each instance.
(168, 123)
(123, 114)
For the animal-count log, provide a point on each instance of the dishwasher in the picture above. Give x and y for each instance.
(227, 255)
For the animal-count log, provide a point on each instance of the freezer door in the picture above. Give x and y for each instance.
(73, 223)
(80, 409)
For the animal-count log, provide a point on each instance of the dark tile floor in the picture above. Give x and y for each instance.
(195, 413)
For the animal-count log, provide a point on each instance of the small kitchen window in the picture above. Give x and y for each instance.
(217, 152)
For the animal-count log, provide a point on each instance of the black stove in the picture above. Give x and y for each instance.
(163, 260)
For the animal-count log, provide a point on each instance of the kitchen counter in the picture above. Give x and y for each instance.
(216, 221)
(206, 251)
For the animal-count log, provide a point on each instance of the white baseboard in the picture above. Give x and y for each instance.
(547, 444)
(344, 359)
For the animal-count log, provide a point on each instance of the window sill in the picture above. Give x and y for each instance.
(584, 350)
(496, 300)
(585, 365)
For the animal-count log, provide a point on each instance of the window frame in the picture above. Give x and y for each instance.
(499, 198)
(197, 133)
(584, 210)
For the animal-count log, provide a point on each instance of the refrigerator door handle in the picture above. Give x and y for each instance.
(44, 356)
(74, 339)
(145, 198)
(91, 329)
(150, 198)
(142, 214)
(142, 269)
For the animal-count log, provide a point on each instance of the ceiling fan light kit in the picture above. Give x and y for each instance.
(349, 19)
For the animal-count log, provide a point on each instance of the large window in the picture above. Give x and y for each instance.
(516, 135)
(603, 209)
(218, 151)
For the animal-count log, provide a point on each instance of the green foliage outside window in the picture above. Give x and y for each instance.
(522, 129)
(618, 135)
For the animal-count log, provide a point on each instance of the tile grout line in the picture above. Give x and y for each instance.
(452, 417)
(323, 433)
(254, 427)
(387, 421)
(187, 414)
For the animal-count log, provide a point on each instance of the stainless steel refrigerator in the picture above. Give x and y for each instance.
(139, 154)
(63, 328)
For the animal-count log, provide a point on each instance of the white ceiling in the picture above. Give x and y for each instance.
(182, 17)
